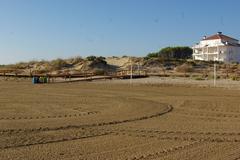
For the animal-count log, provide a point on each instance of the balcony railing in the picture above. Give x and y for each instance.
(211, 53)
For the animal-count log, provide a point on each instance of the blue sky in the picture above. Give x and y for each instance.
(48, 29)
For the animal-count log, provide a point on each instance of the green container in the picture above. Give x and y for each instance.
(45, 80)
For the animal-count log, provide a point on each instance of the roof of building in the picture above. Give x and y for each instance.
(221, 36)
(233, 44)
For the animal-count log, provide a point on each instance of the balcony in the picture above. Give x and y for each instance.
(209, 53)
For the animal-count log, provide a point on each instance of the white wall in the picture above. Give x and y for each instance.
(233, 54)
(210, 42)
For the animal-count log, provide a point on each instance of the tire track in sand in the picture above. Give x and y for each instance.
(50, 117)
(13, 132)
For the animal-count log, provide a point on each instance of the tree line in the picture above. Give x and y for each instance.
(172, 53)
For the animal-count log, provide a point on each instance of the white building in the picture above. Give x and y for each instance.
(218, 47)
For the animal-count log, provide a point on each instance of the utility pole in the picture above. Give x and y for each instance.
(139, 69)
(131, 74)
(215, 76)
(215, 73)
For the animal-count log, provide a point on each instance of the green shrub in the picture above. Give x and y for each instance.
(101, 58)
(199, 78)
(235, 78)
(99, 72)
(91, 58)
